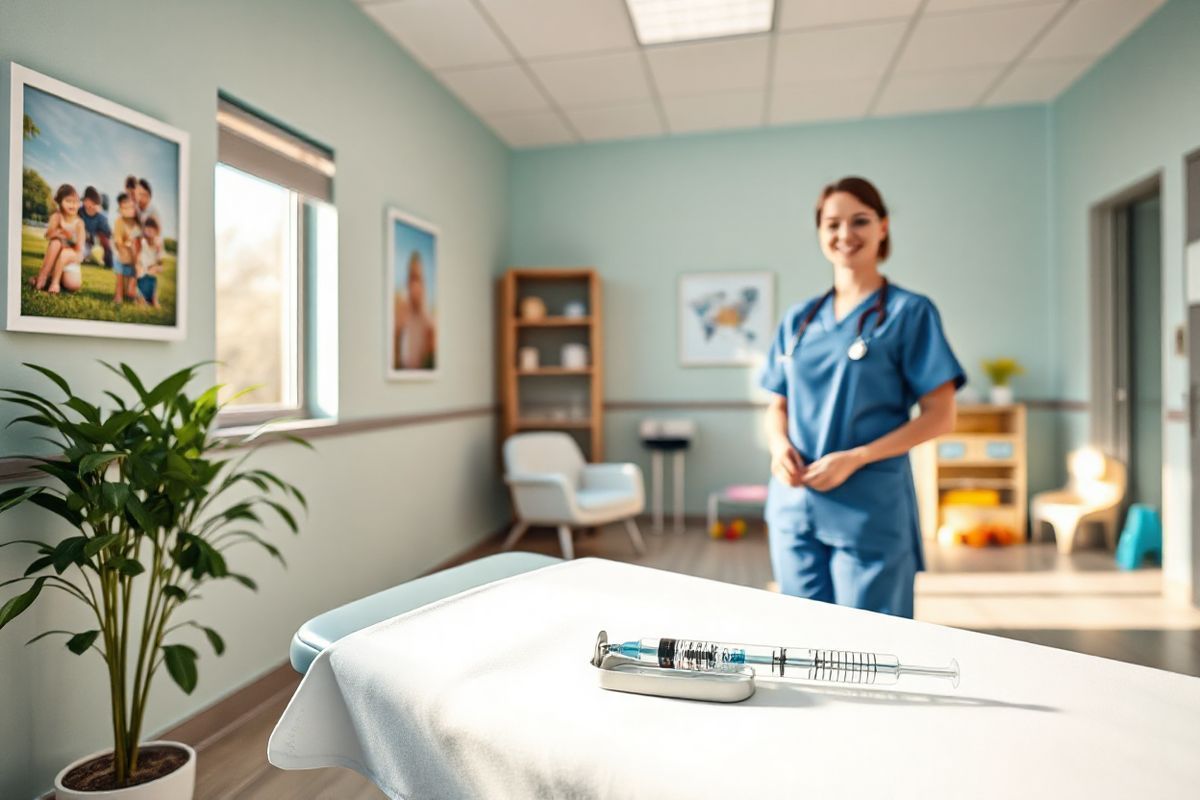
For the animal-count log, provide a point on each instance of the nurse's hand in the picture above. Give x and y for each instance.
(832, 470)
(787, 465)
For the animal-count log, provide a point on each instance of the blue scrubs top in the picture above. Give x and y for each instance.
(835, 403)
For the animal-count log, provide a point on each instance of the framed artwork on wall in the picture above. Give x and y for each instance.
(97, 226)
(412, 297)
(725, 318)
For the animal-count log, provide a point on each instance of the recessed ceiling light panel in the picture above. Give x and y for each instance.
(662, 21)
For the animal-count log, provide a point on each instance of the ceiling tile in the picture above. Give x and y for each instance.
(1038, 81)
(539, 28)
(709, 67)
(814, 13)
(531, 130)
(616, 122)
(821, 101)
(914, 92)
(714, 111)
(1092, 28)
(820, 55)
(962, 40)
(495, 90)
(440, 33)
(594, 80)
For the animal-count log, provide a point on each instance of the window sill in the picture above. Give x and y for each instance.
(238, 430)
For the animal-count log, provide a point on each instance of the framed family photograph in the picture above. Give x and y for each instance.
(97, 215)
(725, 318)
(412, 286)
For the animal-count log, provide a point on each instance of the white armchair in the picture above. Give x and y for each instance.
(551, 484)
(1094, 493)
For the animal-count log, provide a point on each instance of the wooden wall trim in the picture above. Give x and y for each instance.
(1034, 404)
(18, 469)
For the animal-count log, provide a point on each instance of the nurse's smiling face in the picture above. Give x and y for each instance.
(851, 232)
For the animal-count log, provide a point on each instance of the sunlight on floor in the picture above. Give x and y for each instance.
(1055, 596)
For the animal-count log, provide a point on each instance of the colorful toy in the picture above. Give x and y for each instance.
(981, 535)
(734, 530)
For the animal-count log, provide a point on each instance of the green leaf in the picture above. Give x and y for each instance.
(39, 565)
(114, 495)
(64, 473)
(99, 543)
(55, 504)
(139, 513)
(299, 496)
(297, 440)
(218, 644)
(118, 422)
(52, 375)
(31, 400)
(244, 581)
(68, 552)
(169, 387)
(80, 642)
(14, 497)
(84, 409)
(130, 567)
(96, 462)
(14, 607)
(34, 419)
(181, 663)
(136, 382)
(116, 399)
(44, 634)
(174, 592)
(285, 514)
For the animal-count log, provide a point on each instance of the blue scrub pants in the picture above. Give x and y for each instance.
(807, 567)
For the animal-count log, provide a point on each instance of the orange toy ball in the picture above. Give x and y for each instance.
(739, 527)
(977, 537)
(717, 530)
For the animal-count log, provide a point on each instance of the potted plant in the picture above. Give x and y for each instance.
(1001, 371)
(147, 489)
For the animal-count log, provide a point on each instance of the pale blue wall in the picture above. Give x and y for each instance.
(386, 506)
(1135, 114)
(967, 194)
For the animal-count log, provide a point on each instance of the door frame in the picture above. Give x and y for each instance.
(1109, 315)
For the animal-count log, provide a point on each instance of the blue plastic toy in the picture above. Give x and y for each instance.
(1141, 536)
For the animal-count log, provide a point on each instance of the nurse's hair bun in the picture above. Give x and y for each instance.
(868, 195)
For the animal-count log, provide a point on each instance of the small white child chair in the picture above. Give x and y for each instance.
(1094, 492)
(551, 484)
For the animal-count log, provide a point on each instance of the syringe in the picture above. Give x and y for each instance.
(825, 666)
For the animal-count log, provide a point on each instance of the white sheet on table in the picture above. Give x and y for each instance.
(490, 694)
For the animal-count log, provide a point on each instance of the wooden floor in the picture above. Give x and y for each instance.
(1029, 593)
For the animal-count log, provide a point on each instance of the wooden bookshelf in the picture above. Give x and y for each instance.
(987, 451)
(552, 397)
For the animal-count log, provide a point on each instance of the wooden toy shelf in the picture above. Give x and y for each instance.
(985, 452)
(551, 396)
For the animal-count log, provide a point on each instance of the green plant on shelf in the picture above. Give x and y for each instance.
(1001, 370)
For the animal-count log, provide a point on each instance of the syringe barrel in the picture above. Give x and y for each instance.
(826, 666)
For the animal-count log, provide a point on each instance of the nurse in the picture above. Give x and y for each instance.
(846, 368)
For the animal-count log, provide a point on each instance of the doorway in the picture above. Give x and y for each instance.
(1192, 273)
(1127, 359)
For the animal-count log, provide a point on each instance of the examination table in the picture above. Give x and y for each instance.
(477, 682)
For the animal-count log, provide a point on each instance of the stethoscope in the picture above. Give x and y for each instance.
(858, 348)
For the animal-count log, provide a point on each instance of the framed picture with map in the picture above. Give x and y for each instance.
(725, 318)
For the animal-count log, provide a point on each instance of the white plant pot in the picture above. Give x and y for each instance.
(179, 785)
(1001, 395)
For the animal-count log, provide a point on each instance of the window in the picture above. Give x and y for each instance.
(276, 271)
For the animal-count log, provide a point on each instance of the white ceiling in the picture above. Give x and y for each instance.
(544, 72)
